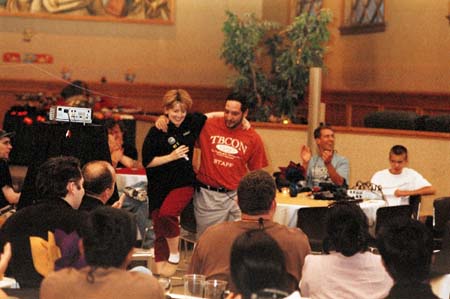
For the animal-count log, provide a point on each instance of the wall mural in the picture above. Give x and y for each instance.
(129, 11)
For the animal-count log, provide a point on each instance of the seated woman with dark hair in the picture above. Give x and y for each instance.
(122, 153)
(107, 243)
(258, 267)
(347, 269)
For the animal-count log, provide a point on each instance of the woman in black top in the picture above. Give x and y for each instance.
(167, 157)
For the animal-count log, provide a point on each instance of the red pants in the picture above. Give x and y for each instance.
(165, 220)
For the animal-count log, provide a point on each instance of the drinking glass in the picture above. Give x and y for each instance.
(194, 285)
(214, 288)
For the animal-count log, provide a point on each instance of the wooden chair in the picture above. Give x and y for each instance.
(312, 222)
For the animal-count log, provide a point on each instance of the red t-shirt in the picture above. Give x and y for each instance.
(228, 154)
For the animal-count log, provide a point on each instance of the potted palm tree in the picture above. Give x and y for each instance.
(272, 63)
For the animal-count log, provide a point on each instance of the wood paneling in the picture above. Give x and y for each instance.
(343, 108)
(359, 103)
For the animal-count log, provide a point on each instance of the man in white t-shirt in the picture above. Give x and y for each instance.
(400, 182)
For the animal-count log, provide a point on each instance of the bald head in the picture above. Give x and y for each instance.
(98, 177)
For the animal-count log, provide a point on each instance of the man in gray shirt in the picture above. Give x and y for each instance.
(327, 166)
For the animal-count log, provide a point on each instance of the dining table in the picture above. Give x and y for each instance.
(287, 207)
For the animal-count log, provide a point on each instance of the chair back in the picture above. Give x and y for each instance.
(441, 264)
(386, 214)
(414, 202)
(441, 214)
(312, 222)
(187, 218)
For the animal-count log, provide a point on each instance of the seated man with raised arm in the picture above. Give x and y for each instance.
(327, 166)
(399, 182)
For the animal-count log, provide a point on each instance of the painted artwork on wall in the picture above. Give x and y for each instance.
(128, 11)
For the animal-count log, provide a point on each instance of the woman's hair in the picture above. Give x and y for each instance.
(108, 236)
(175, 96)
(256, 263)
(406, 246)
(346, 228)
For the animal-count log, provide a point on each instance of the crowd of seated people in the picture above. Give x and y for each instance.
(72, 209)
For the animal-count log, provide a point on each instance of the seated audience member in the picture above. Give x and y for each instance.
(122, 154)
(441, 263)
(347, 269)
(5, 256)
(258, 266)
(32, 230)
(256, 198)
(399, 182)
(99, 183)
(77, 91)
(8, 196)
(107, 243)
(406, 247)
(327, 166)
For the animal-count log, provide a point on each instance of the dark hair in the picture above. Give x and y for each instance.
(318, 130)
(256, 192)
(257, 262)
(75, 88)
(239, 98)
(406, 246)
(98, 176)
(347, 229)
(111, 123)
(399, 150)
(108, 236)
(54, 175)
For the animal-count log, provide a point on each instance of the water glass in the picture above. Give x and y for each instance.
(194, 285)
(214, 288)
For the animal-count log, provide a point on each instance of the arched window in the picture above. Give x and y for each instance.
(363, 16)
(309, 6)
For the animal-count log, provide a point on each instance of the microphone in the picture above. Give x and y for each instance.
(174, 143)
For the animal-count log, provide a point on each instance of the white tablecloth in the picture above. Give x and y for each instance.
(286, 212)
(126, 177)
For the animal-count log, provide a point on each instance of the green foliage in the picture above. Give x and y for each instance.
(249, 43)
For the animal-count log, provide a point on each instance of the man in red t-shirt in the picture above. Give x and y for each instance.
(228, 152)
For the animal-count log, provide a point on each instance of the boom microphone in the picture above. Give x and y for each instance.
(174, 143)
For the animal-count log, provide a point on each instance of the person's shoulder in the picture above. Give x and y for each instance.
(26, 214)
(313, 260)
(339, 157)
(215, 122)
(63, 276)
(217, 230)
(286, 229)
(143, 277)
(379, 173)
(410, 171)
(154, 131)
(144, 281)
(293, 234)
